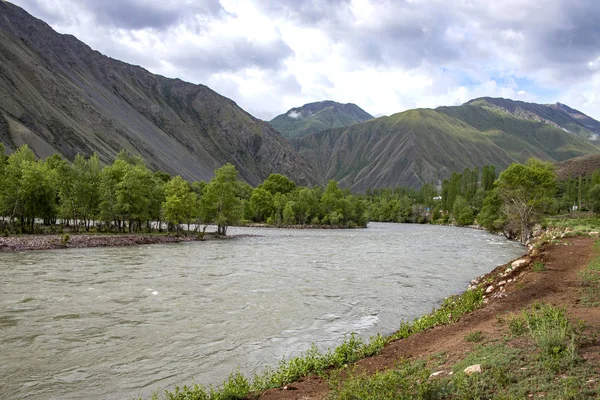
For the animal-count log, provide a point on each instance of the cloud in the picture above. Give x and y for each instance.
(384, 55)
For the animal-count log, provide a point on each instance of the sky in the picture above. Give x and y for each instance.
(385, 56)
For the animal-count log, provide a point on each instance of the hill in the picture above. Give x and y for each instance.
(59, 95)
(425, 145)
(580, 166)
(316, 117)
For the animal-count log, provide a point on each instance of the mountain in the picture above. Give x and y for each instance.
(558, 115)
(425, 145)
(316, 117)
(59, 95)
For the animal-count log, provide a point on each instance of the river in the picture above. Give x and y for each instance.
(115, 323)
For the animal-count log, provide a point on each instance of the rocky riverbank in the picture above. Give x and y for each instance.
(51, 242)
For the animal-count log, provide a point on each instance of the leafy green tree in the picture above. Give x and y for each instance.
(462, 212)
(289, 215)
(526, 191)
(110, 178)
(277, 183)
(261, 205)
(11, 200)
(220, 202)
(133, 194)
(180, 202)
(594, 198)
(37, 191)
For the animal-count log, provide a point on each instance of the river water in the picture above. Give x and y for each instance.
(114, 323)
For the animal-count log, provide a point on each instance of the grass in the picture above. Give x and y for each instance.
(590, 280)
(311, 362)
(538, 266)
(511, 369)
(578, 223)
(451, 310)
(474, 337)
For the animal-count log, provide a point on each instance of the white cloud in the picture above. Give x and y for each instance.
(384, 55)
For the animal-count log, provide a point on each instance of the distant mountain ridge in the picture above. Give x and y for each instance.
(59, 95)
(317, 117)
(424, 145)
(558, 115)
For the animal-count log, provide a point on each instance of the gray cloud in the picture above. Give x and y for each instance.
(232, 55)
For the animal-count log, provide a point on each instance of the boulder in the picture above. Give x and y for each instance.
(490, 289)
(435, 374)
(519, 263)
(473, 369)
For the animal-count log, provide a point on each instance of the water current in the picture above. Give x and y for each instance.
(115, 323)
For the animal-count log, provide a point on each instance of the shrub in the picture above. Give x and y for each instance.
(64, 239)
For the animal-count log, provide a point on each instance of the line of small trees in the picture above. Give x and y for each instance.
(127, 197)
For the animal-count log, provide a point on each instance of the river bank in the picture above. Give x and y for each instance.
(553, 273)
(55, 242)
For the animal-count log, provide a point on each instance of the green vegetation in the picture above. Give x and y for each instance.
(510, 370)
(422, 145)
(316, 117)
(451, 310)
(126, 197)
(538, 266)
(474, 337)
(590, 280)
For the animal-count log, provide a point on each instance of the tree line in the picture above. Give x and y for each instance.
(126, 196)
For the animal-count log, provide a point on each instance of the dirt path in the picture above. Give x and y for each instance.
(557, 285)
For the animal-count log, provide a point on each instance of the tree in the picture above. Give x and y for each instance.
(277, 183)
(11, 200)
(526, 191)
(110, 177)
(37, 191)
(594, 198)
(260, 205)
(462, 212)
(220, 203)
(133, 194)
(180, 202)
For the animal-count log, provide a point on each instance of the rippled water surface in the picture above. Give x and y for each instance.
(115, 323)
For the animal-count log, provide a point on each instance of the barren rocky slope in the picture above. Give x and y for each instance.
(59, 95)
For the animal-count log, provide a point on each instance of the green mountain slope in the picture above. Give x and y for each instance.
(424, 145)
(316, 117)
(59, 95)
(557, 115)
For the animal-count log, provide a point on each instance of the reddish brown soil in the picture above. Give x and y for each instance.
(558, 285)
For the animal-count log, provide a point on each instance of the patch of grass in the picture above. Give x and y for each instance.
(590, 280)
(538, 266)
(509, 371)
(474, 337)
(311, 362)
(552, 333)
(451, 310)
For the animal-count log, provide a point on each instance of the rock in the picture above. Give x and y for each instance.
(508, 270)
(509, 281)
(595, 234)
(519, 263)
(534, 252)
(501, 283)
(473, 369)
(490, 289)
(436, 374)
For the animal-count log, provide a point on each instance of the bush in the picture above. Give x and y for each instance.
(64, 239)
